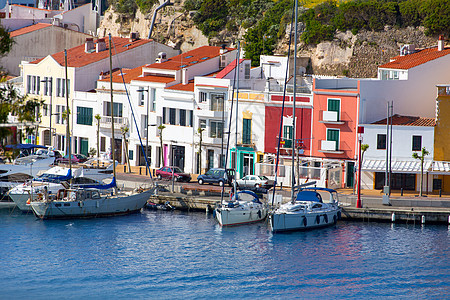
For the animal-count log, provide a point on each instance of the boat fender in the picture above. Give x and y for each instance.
(305, 222)
(318, 219)
(325, 218)
(259, 213)
(28, 202)
(80, 204)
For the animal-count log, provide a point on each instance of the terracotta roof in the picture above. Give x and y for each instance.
(76, 57)
(183, 87)
(408, 121)
(189, 58)
(413, 60)
(29, 7)
(228, 68)
(29, 29)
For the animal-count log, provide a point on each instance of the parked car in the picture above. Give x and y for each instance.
(76, 158)
(217, 175)
(252, 181)
(178, 174)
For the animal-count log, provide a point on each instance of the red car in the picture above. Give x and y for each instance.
(178, 174)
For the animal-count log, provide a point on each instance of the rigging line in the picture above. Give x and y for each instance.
(132, 114)
(282, 110)
(229, 123)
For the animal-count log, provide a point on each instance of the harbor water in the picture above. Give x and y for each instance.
(178, 255)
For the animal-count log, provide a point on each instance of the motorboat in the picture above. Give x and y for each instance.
(53, 180)
(243, 207)
(87, 203)
(308, 211)
(25, 168)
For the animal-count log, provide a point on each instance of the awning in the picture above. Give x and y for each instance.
(441, 167)
(397, 166)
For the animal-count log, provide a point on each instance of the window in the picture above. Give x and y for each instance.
(59, 114)
(216, 129)
(144, 125)
(333, 135)
(102, 143)
(28, 84)
(182, 117)
(247, 71)
(84, 115)
(202, 97)
(153, 100)
(117, 109)
(247, 131)
(287, 136)
(48, 84)
(191, 118)
(33, 84)
(335, 105)
(45, 110)
(141, 96)
(172, 116)
(202, 124)
(164, 116)
(217, 102)
(61, 87)
(416, 143)
(130, 155)
(381, 141)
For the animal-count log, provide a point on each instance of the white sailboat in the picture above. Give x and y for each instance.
(86, 202)
(244, 206)
(306, 210)
(53, 179)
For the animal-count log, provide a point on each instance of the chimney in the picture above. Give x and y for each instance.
(441, 43)
(134, 36)
(101, 45)
(223, 49)
(162, 57)
(89, 45)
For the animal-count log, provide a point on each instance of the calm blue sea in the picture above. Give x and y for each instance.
(176, 255)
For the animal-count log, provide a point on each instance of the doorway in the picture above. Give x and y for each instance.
(248, 164)
(210, 162)
(178, 156)
(350, 174)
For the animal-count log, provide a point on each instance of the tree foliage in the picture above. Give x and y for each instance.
(24, 108)
(323, 20)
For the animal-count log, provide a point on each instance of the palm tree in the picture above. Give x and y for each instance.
(161, 128)
(124, 130)
(424, 152)
(98, 118)
(200, 132)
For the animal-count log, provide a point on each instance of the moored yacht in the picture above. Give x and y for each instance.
(308, 211)
(242, 208)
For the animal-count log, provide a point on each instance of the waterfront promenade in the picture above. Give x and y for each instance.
(406, 207)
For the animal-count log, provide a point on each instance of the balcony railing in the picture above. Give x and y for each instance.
(118, 122)
(247, 140)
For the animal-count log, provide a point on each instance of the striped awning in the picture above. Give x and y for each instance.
(397, 166)
(441, 167)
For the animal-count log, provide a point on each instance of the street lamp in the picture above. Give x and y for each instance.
(50, 90)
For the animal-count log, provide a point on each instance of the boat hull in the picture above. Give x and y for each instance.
(297, 221)
(102, 207)
(239, 216)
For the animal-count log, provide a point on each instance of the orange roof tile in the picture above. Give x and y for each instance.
(29, 7)
(228, 68)
(189, 58)
(29, 29)
(76, 57)
(413, 60)
(183, 87)
(408, 121)
(135, 74)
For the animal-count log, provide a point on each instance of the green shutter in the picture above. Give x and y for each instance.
(333, 135)
(84, 146)
(287, 136)
(334, 105)
(247, 131)
(84, 115)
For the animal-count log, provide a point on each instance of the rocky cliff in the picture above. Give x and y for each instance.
(348, 54)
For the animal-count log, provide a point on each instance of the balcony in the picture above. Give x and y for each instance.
(247, 141)
(331, 117)
(119, 122)
(329, 147)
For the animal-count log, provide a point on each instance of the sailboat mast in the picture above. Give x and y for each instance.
(237, 113)
(293, 103)
(113, 143)
(69, 148)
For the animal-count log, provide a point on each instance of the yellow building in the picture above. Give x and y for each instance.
(442, 140)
